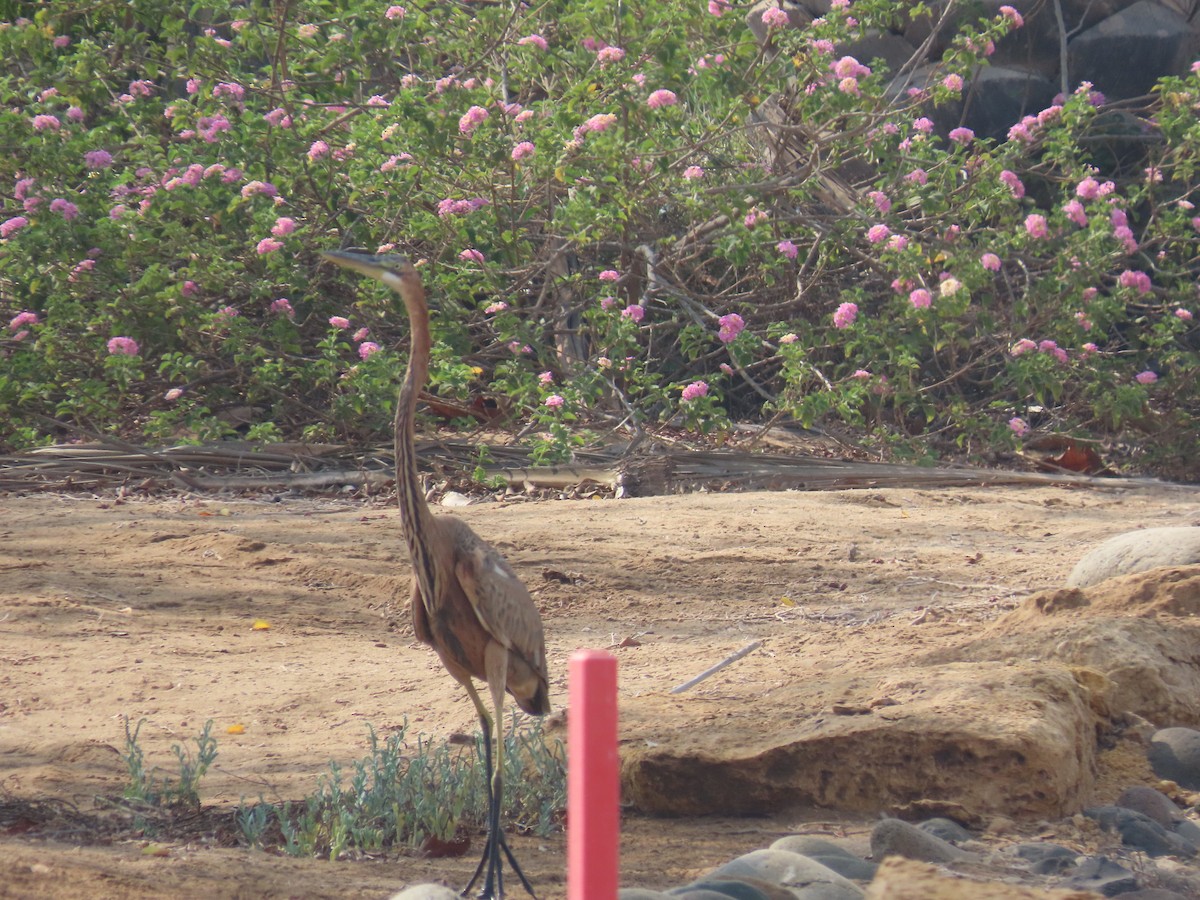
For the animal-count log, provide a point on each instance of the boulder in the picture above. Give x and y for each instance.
(1137, 551)
(995, 738)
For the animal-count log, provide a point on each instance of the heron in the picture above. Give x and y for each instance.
(467, 602)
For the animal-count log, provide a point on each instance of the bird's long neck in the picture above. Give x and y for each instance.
(415, 516)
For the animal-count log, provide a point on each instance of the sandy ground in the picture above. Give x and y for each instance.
(146, 609)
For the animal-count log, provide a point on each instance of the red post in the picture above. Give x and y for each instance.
(593, 785)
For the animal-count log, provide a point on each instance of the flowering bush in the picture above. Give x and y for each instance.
(586, 196)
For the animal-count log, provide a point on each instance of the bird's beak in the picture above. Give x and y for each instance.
(359, 261)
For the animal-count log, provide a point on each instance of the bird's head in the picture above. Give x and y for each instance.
(392, 269)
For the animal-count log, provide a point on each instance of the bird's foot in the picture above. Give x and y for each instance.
(493, 883)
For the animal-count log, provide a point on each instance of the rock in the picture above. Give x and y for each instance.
(1137, 551)
(893, 837)
(1152, 894)
(828, 854)
(1047, 859)
(738, 889)
(1150, 39)
(1102, 876)
(432, 892)
(1140, 832)
(1175, 756)
(1188, 830)
(1149, 802)
(636, 894)
(1132, 639)
(790, 870)
(904, 879)
(946, 829)
(995, 738)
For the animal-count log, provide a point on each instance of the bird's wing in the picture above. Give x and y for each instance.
(501, 603)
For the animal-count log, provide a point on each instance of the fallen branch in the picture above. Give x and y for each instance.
(749, 648)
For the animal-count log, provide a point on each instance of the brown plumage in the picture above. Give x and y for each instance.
(467, 602)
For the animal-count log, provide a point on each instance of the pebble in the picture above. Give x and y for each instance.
(1102, 876)
(1047, 859)
(946, 829)
(428, 892)
(828, 854)
(894, 837)
(1175, 756)
(790, 870)
(1150, 802)
(1139, 832)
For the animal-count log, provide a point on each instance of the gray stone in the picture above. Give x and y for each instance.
(1188, 830)
(1137, 551)
(1102, 876)
(946, 829)
(1148, 38)
(790, 870)
(1047, 859)
(738, 889)
(428, 892)
(893, 837)
(828, 854)
(1153, 894)
(828, 892)
(636, 894)
(997, 98)
(1140, 831)
(1149, 802)
(1175, 755)
(704, 893)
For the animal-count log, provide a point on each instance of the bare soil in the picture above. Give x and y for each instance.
(146, 609)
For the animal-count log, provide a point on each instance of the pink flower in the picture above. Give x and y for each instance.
(962, 136)
(1088, 189)
(788, 249)
(230, 89)
(610, 55)
(1019, 426)
(775, 18)
(1012, 15)
(8, 226)
(923, 125)
(849, 86)
(173, 394)
(897, 242)
(598, 122)
(395, 12)
(1084, 322)
(1024, 345)
(953, 82)
(731, 326)
(1183, 314)
(340, 322)
(278, 118)
(917, 176)
(554, 401)
(881, 201)
(920, 298)
(546, 378)
(1089, 348)
(283, 307)
(97, 159)
(877, 233)
(471, 119)
(695, 391)
(633, 312)
(663, 97)
(609, 275)
(861, 373)
(1074, 211)
(366, 348)
(1014, 183)
(754, 217)
(493, 308)
(362, 334)
(1036, 226)
(20, 320)
(471, 255)
(254, 188)
(691, 173)
(267, 245)
(717, 7)
(523, 150)
(1146, 377)
(68, 209)
(46, 123)
(122, 346)
(1132, 278)
(535, 40)
(845, 315)
(789, 338)
(990, 261)
(317, 150)
(283, 226)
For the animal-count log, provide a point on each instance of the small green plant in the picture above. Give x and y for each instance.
(146, 787)
(403, 793)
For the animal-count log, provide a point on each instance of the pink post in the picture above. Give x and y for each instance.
(593, 788)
